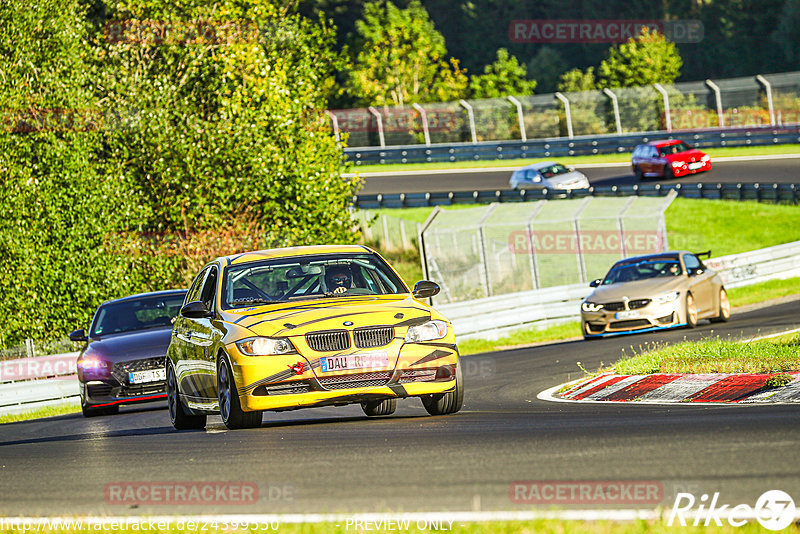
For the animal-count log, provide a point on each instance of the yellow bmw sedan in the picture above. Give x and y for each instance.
(292, 328)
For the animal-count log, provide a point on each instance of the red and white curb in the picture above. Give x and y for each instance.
(673, 388)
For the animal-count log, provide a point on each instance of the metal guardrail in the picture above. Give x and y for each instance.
(776, 193)
(30, 383)
(493, 317)
(562, 147)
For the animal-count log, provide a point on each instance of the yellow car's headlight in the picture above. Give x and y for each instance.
(426, 332)
(266, 346)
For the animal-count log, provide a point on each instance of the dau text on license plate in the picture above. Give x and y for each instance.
(362, 360)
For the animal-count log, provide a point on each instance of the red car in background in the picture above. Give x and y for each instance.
(668, 159)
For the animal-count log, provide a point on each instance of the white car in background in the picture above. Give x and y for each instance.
(549, 174)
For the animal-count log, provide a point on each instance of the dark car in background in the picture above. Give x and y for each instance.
(123, 359)
(668, 159)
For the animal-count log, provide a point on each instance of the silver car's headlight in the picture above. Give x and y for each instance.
(667, 297)
(426, 332)
(591, 306)
(266, 346)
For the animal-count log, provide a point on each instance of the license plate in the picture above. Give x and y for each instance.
(696, 165)
(141, 377)
(626, 314)
(362, 360)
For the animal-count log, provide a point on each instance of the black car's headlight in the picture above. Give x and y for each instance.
(591, 306)
(426, 332)
(266, 346)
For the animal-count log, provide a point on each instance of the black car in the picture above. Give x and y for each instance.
(123, 360)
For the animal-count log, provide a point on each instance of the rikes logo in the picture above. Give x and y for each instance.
(298, 368)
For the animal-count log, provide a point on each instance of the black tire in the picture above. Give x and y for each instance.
(446, 403)
(88, 411)
(639, 174)
(381, 407)
(229, 407)
(177, 414)
(724, 312)
(691, 315)
(668, 174)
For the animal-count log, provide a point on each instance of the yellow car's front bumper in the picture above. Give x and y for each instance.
(296, 381)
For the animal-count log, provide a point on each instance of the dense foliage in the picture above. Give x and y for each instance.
(142, 139)
(741, 37)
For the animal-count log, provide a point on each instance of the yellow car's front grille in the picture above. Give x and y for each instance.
(369, 337)
(329, 341)
(360, 380)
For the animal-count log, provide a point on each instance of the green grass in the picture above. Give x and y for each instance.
(771, 289)
(521, 338)
(39, 413)
(575, 160)
(723, 226)
(714, 356)
(542, 526)
(729, 227)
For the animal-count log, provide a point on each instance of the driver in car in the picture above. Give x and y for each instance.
(338, 278)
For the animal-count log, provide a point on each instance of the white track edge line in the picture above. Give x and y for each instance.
(379, 174)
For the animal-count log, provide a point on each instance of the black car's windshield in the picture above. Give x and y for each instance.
(137, 314)
(677, 148)
(641, 270)
(308, 277)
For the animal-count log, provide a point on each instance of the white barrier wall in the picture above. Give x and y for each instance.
(493, 317)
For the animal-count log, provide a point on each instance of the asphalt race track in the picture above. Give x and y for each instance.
(337, 460)
(755, 171)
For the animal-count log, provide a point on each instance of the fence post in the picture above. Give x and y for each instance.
(386, 243)
(610, 94)
(471, 118)
(768, 88)
(665, 96)
(335, 122)
(423, 255)
(520, 116)
(378, 117)
(567, 112)
(424, 117)
(487, 286)
(29, 350)
(531, 252)
(577, 228)
(621, 226)
(718, 95)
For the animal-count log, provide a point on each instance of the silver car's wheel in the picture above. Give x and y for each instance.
(724, 307)
(691, 311)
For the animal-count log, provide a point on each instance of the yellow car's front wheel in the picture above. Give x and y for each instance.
(446, 403)
(229, 407)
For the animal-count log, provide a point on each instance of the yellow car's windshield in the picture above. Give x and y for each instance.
(308, 277)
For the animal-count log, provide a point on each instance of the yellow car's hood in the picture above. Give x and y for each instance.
(299, 317)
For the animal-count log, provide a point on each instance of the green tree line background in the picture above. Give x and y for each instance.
(128, 163)
(741, 37)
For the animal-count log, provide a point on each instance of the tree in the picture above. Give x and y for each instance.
(399, 58)
(644, 60)
(576, 80)
(504, 77)
(546, 67)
